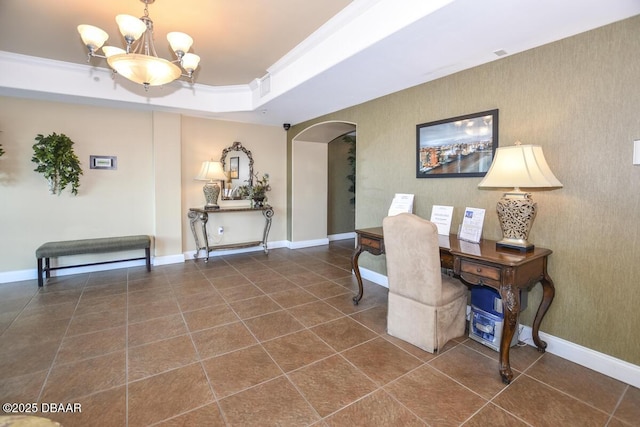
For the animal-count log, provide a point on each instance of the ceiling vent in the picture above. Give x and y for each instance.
(265, 85)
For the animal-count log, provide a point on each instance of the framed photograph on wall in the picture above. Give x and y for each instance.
(461, 146)
(234, 167)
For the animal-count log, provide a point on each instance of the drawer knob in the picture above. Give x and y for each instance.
(478, 269)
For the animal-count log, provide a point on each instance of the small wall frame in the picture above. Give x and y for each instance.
(103, 162)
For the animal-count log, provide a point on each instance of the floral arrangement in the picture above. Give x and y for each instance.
(260, 186)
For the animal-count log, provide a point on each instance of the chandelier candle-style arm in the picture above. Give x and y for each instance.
(139, 62)
(518, 166)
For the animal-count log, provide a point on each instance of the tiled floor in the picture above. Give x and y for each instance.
(256, 340)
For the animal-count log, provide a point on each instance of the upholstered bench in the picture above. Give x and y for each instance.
(90, 246)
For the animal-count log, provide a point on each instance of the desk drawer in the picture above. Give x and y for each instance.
(373, 246)
(476, 272)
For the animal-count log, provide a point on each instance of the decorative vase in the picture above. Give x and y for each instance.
(258, 201)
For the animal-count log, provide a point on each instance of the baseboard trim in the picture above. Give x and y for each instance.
(342, 236)
(603, 363)
(21, 275)
(272, 245)
(377, 278)
(168, 259)
(620, 370)
(308, 243)
(32, 274)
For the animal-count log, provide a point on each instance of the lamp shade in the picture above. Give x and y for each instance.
(130, 26)
(211, 171)
(180, 42)
(519, 166)
(93, 37)
(144, 69)
(190, 61)
(112, 50)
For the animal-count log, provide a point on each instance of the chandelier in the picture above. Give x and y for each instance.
(140, 62)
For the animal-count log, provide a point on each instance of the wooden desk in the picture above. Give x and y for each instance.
(202, 216)
(481, 264)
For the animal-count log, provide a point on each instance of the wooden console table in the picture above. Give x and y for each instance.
(481, 264)
(202, 216)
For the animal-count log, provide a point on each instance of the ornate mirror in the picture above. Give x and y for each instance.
(237, 163)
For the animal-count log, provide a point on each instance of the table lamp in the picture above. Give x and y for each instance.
(211, 172)
(514, 167)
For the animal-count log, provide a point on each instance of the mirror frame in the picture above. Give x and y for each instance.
(237, 146)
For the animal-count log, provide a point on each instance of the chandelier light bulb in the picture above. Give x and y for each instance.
(180, 42)
(130, 27)
(92, 37)
(190, 62)
(112, 50)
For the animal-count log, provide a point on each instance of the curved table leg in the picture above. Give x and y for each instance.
(356, 270)
(548, 292)
(511, 309)
(268, 214)
(204, 218)
(193, 217)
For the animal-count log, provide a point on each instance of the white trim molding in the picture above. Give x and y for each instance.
(308, 243)
(342, 236)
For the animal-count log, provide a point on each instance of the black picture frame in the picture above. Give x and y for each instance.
(457, 147)
(234, 167)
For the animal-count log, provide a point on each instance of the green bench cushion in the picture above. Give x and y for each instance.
(86, 246)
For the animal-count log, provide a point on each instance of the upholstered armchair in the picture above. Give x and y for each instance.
(426, 308)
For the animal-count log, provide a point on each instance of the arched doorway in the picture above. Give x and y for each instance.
(309, 182)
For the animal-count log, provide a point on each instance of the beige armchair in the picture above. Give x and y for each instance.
(426, 308)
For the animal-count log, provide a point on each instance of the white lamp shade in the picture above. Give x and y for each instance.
(519, 166)
(112, 50)
(144, 69)
(130, 26)
(190, 61)
(180, 42)
(93, 37)
(211, 171)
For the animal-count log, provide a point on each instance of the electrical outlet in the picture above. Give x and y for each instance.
(220, 231)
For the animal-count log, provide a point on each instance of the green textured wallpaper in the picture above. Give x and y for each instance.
(578, 98)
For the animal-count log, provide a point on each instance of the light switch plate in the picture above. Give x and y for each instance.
(636, 152)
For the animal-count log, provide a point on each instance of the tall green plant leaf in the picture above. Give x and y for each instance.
(57, 162)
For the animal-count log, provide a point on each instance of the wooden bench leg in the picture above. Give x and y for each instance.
(40, 281)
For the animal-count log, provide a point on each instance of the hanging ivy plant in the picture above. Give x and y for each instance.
(1, 150)
(57, 162)
(351, 158)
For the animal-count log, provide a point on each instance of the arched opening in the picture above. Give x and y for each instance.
(310, 182)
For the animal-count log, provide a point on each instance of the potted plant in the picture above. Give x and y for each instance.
(57, 162)
(259, 190)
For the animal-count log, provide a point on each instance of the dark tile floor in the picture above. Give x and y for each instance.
(256, 340)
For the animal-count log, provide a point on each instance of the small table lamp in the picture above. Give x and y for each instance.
(514, 167)
(211, 172)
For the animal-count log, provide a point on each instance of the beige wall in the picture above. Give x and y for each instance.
(204, 139)
(309, 191)
(578, 98)
(109, 203)
(149, 193)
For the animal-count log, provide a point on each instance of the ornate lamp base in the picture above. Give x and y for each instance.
(211, 192)
(516, 212)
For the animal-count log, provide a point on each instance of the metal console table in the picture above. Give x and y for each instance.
(202, 216)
